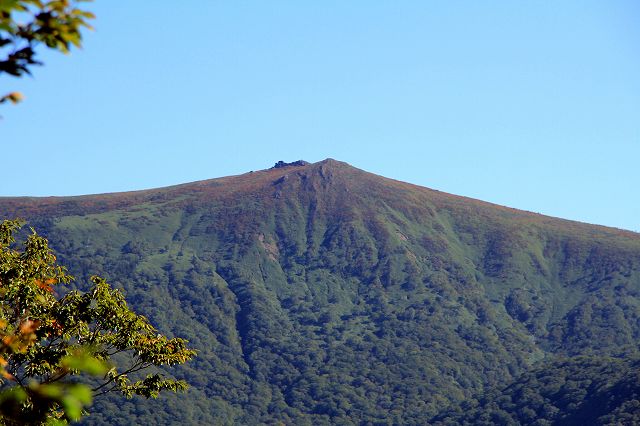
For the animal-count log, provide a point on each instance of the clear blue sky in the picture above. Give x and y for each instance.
(534, 105)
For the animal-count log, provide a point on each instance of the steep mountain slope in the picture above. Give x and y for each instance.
(319, 293)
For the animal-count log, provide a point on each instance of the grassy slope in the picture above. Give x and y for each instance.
(323, 293)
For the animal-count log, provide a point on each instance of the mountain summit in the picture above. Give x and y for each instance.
(321, 294)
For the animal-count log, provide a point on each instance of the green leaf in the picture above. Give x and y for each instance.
(84, 361)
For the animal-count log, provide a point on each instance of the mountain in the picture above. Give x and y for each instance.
(323, 294)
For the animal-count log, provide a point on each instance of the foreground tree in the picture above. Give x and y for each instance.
(50, 343)
(25, 24)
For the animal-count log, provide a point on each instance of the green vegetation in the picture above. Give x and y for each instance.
(575, 391)
(321, 294)
(47, 340)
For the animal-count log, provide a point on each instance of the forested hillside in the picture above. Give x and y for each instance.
(322, 294)
(576, 391)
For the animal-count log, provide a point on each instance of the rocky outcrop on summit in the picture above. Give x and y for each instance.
(281, 164)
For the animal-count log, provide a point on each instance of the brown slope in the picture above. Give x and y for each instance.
(348, 182)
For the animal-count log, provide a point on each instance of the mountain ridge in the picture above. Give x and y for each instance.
(54, 205)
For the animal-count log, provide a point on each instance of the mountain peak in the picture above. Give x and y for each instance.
(337, 180)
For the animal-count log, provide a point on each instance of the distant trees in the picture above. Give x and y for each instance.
(25, 24)
(49, 342)
(595, 390)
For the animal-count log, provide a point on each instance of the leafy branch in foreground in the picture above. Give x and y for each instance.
(25, 24)
(48, 342)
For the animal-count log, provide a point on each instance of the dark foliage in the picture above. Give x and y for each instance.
(575, 391)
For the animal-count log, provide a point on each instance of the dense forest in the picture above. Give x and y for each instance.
(322, 294)
(576, 391)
